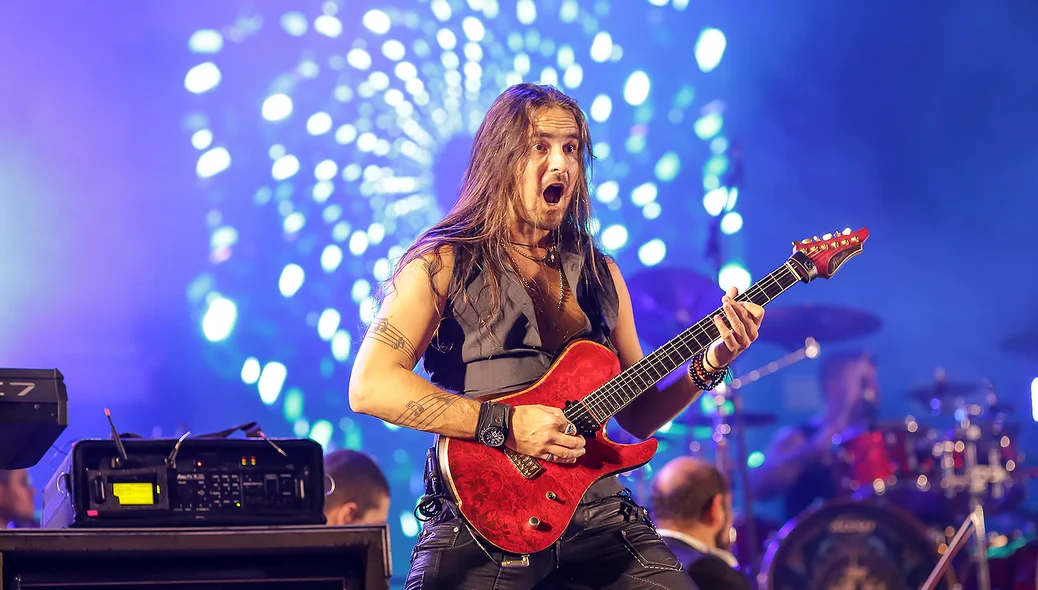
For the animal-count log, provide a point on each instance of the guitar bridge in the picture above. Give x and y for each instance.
(527, 466)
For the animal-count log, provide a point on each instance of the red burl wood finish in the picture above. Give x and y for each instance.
(498, 501)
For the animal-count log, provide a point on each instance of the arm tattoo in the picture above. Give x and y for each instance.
(386, 333)
(422, 413)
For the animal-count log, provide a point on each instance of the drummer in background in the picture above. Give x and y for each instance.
(798, 466)
(692, 509)
(16, 500)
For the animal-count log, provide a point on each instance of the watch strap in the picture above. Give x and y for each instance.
(493, 415)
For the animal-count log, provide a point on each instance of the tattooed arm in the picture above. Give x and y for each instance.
(383, 383)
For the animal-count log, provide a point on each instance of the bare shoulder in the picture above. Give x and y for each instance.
(430, 272)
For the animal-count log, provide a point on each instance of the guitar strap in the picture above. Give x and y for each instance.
(432, 504)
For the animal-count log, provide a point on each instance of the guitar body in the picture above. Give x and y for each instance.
(495, 496)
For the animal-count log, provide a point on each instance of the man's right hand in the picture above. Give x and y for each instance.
(539, 430)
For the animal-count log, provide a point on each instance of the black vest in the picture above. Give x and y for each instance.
(464, 359)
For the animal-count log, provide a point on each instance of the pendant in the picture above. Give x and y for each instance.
(550, 257)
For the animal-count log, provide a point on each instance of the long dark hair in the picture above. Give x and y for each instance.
(476, 228)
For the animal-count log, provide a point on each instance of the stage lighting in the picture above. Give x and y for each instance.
(327, 137)
(1034, 399)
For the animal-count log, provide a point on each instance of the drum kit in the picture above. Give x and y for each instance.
(915, 491)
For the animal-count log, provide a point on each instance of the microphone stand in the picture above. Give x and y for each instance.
(811, 349)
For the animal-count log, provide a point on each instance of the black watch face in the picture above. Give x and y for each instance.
(493, 437)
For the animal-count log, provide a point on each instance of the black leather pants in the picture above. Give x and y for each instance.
(610, 544)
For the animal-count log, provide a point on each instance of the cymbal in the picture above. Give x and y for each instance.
(1000, 408)
(667, 300)
(942, 390)
(791, 326)
(747, 420)
(1024, 344)
(683, 426)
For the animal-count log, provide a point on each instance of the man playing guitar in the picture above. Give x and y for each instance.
(489, 296)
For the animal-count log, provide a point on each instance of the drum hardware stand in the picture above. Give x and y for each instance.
(722, 429)
(810, 350)
(723, 462)
(974, 524)
(977, 480)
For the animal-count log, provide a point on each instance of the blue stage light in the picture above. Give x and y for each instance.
(328, 137)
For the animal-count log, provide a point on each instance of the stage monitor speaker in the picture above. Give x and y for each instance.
(33, 414)
(254, 558)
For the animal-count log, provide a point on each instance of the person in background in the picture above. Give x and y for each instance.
(17, 509)
(799, 464)
(360, 494)
(692, 507)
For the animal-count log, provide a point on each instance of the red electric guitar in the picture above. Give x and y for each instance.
(523, 504)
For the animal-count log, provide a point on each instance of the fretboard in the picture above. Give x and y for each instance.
(617, 393)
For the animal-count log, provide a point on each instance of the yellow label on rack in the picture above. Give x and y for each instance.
(134, 493)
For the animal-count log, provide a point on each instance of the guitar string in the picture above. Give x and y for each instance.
(615, 387)
(691, 334)
(612, 390)
(618, 383)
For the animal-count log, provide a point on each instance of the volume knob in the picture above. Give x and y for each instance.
(534, 522)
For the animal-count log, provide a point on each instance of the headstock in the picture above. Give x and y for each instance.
(829, 252)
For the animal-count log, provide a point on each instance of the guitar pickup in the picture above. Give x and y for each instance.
(525, 464)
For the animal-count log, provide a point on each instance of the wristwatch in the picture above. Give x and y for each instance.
(492, 429)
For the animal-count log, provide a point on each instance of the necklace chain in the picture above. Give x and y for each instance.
(549, 254)
(548, 258)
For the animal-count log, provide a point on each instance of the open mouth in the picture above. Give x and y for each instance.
(553, 194)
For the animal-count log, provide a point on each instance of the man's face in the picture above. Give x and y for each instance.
(347, 513)
(377, 515)
(858, 389)
(724, 534)
(16, 498)
(548, 178)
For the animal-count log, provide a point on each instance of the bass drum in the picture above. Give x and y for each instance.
(852, 545)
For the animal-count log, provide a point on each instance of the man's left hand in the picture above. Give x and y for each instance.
(745, 319)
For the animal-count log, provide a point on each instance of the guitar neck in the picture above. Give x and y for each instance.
(620, 391)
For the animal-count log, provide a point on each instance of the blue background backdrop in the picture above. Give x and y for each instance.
(914, 120)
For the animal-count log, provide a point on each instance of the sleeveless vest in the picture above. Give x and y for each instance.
(465, 359)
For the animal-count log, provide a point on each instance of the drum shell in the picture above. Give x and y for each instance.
(889, 456)
(846, 537)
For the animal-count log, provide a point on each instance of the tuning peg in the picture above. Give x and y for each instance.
(817, 239)
(805, 241)
(827, 236)
(847, 231)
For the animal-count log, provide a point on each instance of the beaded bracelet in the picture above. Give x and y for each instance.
(703, 379)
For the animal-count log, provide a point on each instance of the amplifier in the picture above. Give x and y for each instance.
(192, 482)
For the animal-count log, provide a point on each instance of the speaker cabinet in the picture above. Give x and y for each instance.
(260, 558)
